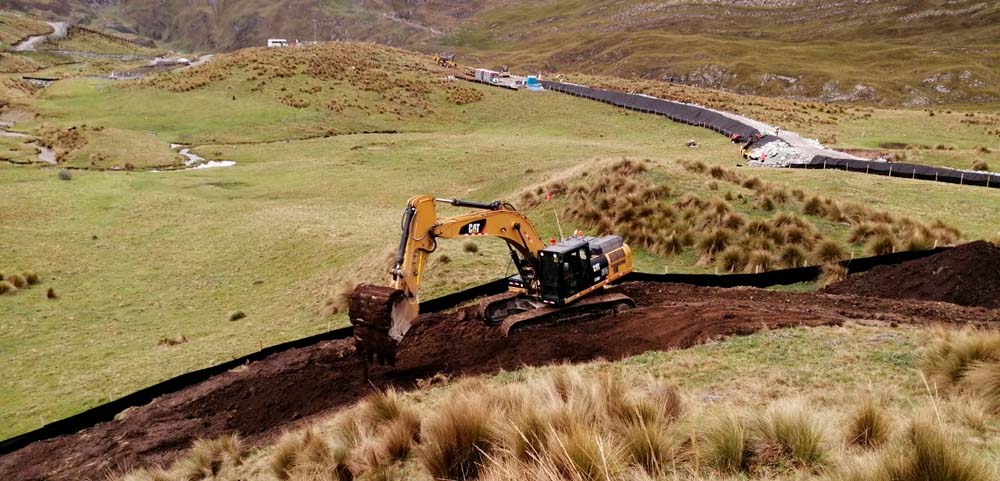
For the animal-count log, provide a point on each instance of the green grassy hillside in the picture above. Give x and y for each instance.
(139, 258)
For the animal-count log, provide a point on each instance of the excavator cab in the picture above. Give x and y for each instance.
(577, 265)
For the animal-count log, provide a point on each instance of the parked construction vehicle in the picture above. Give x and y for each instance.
(446, 60)
(555, 283)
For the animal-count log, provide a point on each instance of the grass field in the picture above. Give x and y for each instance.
(138, 257)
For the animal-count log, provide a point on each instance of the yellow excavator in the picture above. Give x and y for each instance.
(446, 60)
(555, 283)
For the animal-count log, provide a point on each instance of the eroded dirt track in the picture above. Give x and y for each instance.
(261, 399)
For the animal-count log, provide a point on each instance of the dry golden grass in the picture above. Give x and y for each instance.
(868, 425)
(338, 298)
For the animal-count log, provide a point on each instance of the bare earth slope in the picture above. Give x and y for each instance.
(264, 398)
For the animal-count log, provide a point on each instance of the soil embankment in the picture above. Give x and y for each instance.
(263, 398)
(968, 275)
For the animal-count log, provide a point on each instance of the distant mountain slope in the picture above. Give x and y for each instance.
(883, 51)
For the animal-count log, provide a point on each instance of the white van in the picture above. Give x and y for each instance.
(277, 42)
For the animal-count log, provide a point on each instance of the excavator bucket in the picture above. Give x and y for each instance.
(380, 315)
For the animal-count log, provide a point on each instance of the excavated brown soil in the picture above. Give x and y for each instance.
(967, 275)
(262, 398)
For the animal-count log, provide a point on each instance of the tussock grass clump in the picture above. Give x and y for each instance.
(470, 247)
(7, 288)
(733, 259)
(338, 298)
(237, 315)
(827, 251)
(932, 453)
(868, 426)
(983, 377)
(980, 165)
(31, 277)
(880, 245)
(831, 273)
(306, 452)
(813, 205)
(789, 430)
(17, 280)
(713, 242)
(760, 260)
(953, 353)
(457, 438)
(724, 444)
(792, 255)
(207, 458)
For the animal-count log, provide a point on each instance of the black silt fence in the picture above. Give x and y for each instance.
(904, 170)
(676, 111)
(106, 412)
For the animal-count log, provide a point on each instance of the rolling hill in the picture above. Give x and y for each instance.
(886, 52)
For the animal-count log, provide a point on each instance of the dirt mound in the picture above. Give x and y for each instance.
(968, 275)
(265, 397)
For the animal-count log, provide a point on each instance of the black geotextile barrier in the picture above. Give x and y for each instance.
(676, 111)
(908, 171)
(107, 412)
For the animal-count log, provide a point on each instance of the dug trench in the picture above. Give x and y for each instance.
(262, 399)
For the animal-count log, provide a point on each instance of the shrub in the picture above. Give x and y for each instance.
(456, 438)
(338, 298)
(17, 280)
(470, 247)
(980, 165)
(868, 426)
(827, 251)
(7, 288)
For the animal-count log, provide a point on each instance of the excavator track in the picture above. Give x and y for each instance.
(512, 313)
(370, 311)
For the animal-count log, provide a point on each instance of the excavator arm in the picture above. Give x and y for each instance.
(383, 315)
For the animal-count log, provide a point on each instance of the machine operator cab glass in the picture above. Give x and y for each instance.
(567, 269)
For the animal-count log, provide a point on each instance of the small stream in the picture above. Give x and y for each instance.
(195, 161)
(45, 154)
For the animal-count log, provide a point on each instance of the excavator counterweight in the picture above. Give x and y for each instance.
(556, 283)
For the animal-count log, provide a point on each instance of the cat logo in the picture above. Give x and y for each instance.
(473, 228)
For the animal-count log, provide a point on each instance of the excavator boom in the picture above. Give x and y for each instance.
(548, 276)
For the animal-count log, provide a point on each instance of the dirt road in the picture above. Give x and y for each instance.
(59, 30)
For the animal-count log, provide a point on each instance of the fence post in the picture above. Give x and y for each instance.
(988, 180)
(890, 170)
(913, 173)
(961, 180)
(824, 164)
(935, 176)
(867, 168)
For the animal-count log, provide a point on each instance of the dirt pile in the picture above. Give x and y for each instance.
(967, 275)
(263, 398)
